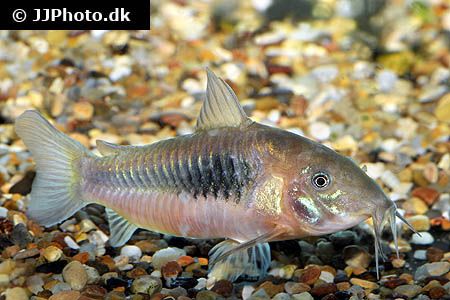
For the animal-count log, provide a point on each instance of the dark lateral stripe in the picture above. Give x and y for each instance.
(176, 166)
(194, 173)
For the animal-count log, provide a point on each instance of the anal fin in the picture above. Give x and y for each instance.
(121, 230)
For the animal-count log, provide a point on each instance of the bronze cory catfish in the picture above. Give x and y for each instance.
(232, 178)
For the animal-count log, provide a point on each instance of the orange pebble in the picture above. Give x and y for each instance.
(203, 261)
(185, 260)
(82, 257)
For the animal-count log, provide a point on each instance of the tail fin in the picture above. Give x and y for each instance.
(55, 190)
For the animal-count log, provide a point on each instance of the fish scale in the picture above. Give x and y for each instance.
(206, 172)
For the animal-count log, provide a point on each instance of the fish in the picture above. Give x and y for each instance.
(232, 178)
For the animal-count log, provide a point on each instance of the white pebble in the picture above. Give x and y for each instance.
(71, 243)
(374, 170)
(163, 256)
(326, 276)
(320, 131)
(390, 179)
(156, 273)
(274, 116)
(3, 212)
(201, 284)
(425, 238)
(247, 292)
(133, 252)
(386, 80)
(420, 254)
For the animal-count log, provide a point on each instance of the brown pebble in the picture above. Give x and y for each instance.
(343, 286)
(94, 292)
(271, 288)
(136, 272)
(82, 257)
(430, 285)
(171, 269)
(437, 292)
(434, 254)
(364, 283)
(407, 277)
(330, 297)
(427, 194)
(323, 289)
(310, 275)
(223, 287)
(66, 295)
(395, 282)
(83, 111)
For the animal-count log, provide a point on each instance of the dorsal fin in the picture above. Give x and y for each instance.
(106, 148)
(221, 107)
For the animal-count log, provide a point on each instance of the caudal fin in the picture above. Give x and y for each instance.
(55, 191)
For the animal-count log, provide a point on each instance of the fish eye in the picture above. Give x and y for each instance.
(321, 180)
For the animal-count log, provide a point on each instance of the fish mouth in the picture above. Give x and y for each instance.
(380, 218)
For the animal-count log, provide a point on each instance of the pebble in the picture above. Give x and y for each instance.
(425, 238)
(419, 222)
(427, 194)
(3, 212)
(309, 275)
(343, 238)
(326, 277)
(134, 253)
(420, 254)
(281, 296)
(92, 274)
(52, 253)
(83, 111)
(296, 287)
(34, 283)
(320, 131)
(146, 284)
(66, 295)
(247, 291)
(16, 293)
(20, 235)
(75, 275)
(437, 292)
(71, 243)
(364, 283)
(223, 287)
(26, 253)
(356, 257)
(271, 288)
(434, 254)
(210, 295)
(409, 290)
(431, 269)
(171, 269)
(161, 257)
(302, 296)
(442, 111)
(323, 289)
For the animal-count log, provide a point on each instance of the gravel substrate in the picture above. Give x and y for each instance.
(371, 83)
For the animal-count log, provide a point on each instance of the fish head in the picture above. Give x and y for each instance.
(328, 192)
